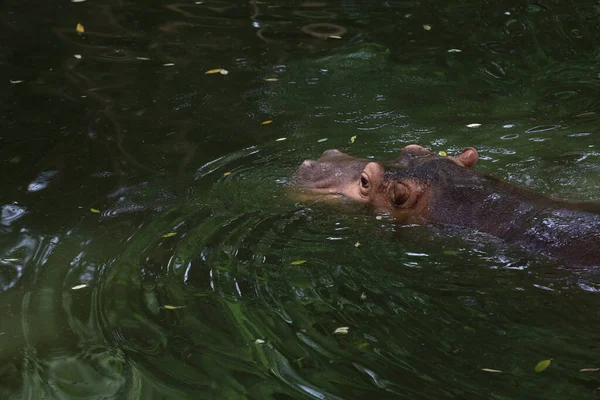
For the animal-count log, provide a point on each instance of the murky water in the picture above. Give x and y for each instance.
(148, 249)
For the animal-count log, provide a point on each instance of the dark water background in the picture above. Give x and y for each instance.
(123, 119)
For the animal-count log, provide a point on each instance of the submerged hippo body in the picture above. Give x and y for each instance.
(422, 187)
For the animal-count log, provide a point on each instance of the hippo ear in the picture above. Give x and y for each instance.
(467, 158)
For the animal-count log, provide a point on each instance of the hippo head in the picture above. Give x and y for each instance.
(404, 187)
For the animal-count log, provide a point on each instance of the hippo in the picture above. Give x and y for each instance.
(420, 187)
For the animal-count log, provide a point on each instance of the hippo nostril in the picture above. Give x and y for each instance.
(331, 153)
(309, 163)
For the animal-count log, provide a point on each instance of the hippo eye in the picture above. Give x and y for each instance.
(364, 182)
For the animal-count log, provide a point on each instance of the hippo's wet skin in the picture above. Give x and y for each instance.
(422, 187)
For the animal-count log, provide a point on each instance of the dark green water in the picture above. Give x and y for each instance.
(123, 119)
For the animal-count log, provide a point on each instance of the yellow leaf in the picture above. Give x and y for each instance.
(542, 365)
(589, 370)
(168, 235)
(491, 370)
(80, 28)
(95, 210)
(77, 287)
(298, 262)
(335, 37)
(352, 139)
(473, 125)
(281, 139)
(267, 122)
(357, 244)
(427, 27)
(213, 71)
(443, 153)
(271, 79)
(227, 174)
(322, 140)
(343, 330)
(363, 296)
(173, 307)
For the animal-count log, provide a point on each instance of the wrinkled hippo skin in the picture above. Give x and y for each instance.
(425, 188)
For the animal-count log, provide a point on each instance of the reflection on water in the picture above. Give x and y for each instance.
(149, 250)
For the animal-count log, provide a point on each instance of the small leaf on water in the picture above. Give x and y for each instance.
(168, 235)
(267, 122)
(363, 296)
(352, 139)
(83, 285)
(168, 64)
(443, 153)
(281, 139)
(542, 365)
(322, 140)
(227, 173)
(491, 370)
(95, 210)
(454, 51)
(473, 125)
(10, 259)
(259, 341)
(363, 345)
(173, 307)
(213, 71)
(79, 28)
(589, 370)
(298, 262)
(480, 292)
(335, 37)
(357, 244)
(223, 71)
(427, 27)
(77, 56)
(271, 79)
(343, 330)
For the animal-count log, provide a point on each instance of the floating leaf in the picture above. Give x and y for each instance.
(10, 259)
(352, 139)
(443, 153)
(589, 370)
(542, 365)
(142, 58)
(281, 139)
(223, 72)
(259, 341)
(213, 71)
(427, 27)
(17, 81)
(343, 330)
(298, 262)
(335, 37)
(77, 56)
(363, 296)
(271, 79)
(473, 125)
(168, 64)
(491, 370)
(267, 122)
(322, 140)
(454, 51)
(95, 210)
(173, 307)
(170, 234)
(227, 173)
(79, 28)
(83, 285)
(357, 244)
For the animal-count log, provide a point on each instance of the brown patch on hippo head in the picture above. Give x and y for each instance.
(401, 187)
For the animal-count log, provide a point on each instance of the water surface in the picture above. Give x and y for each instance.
(148, 249)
